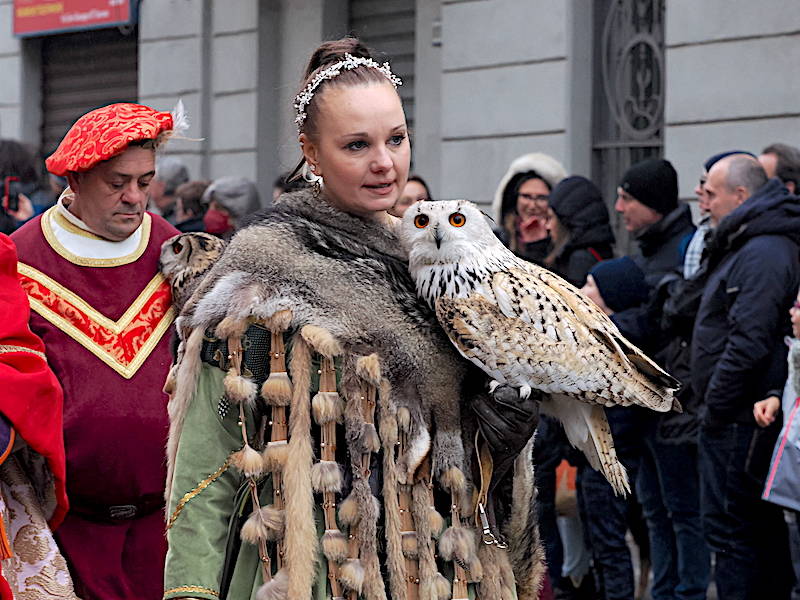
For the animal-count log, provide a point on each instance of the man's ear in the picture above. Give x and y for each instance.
(73, 179)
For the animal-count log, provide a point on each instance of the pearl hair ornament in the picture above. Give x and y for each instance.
(349, 63)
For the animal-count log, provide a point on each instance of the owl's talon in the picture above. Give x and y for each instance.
(493, 385)
(524, 391)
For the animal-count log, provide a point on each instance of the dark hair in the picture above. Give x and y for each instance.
(190, 194)
(17, 160)
(421, 181)
(788, 163)
(511, 191)
(324, 56)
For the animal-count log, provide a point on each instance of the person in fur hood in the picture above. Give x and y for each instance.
(322, 426)
(520, 205)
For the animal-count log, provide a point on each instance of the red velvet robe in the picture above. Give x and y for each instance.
(106, 332)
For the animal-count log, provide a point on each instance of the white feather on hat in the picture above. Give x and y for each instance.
(545, 165)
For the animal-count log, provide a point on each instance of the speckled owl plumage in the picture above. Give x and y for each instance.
(526, 327)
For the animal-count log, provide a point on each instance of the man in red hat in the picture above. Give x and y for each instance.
(90, 268)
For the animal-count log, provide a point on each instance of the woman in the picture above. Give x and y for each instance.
(416, 190)
(230, 200)
(317, 406)
(579, 229)
(520, 205)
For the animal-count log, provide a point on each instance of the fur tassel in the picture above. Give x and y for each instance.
(279, 321)
(231, 327)
(453, 480)
(266, 523)
(321, 340)
(349, 513)
(409, 544)
(170, 382)
(276, 588)
(275, 455)
(334, 545)
(458, 544)
(351, 574)
(369, 369)
(326, 476)
(404, 419)
(277, 389)
(239, 389)
(435, 522)
(327, 407)
(370, 439)
(441, 588)
(248, 461)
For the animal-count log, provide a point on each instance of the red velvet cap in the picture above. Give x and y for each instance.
(103, 133)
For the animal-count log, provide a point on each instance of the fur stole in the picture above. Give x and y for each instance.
(344, 284)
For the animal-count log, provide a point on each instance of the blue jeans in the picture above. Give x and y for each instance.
(668, 487)
(747, 535)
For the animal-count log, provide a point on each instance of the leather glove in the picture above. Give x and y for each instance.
(507, 422)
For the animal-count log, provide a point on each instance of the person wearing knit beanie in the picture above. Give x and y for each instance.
(617, 284)
(647, 192)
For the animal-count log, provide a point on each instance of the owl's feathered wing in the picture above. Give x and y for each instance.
(533, 329)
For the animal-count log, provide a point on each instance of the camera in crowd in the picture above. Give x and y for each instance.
(12, 188)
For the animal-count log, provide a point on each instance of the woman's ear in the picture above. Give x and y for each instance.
(311, 153)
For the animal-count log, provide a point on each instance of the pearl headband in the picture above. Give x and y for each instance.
(349, 63)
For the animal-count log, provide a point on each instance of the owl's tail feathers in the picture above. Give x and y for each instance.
(588, 430)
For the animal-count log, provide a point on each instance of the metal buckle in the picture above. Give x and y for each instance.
(122, 511)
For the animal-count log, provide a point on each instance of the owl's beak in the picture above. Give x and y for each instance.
(437, 237)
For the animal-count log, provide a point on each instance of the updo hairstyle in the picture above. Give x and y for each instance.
(326, 55)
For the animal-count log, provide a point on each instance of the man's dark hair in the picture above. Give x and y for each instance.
(745, 171)
(190, 194)
(788, 163)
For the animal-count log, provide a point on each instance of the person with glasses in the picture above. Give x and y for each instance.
(521, 202)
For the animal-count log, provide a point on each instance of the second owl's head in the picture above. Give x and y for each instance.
(445, 231)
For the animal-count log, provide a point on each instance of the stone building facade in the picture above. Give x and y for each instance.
(597, 84)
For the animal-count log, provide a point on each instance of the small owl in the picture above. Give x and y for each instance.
(185, 259)
(526, 327)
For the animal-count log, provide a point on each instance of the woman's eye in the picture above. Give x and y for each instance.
(359, 145)
(421, 221)
(396, 140)
(457, 219)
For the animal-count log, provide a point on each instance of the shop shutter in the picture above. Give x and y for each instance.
(82, 71)
(387, 26)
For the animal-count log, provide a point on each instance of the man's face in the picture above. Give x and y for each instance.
(721, 199)
(111, 198)
(635, 214)
(770, 163)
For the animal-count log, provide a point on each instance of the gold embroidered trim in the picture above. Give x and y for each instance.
(4, 349)
(191, 588)
(200, 487)
(83, 261)
(65, 223)
(127, 371)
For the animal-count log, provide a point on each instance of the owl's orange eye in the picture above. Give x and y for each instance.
(421, 221)
(457, 219)
(177, 247)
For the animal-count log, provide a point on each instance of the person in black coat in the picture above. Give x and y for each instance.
(752, 271)
(579, 228)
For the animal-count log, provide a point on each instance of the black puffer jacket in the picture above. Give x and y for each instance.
(579, 206)
(662, 248)
(753, 273)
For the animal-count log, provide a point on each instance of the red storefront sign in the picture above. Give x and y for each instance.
(37, 17)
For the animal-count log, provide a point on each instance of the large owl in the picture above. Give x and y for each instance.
(526, 327)
(185, 259)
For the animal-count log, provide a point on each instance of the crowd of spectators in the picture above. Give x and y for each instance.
(715, 484)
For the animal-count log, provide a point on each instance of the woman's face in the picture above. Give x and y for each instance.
(553, 226)
(413, 192)
(794, 313)
(361, 149)
(532, 199)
